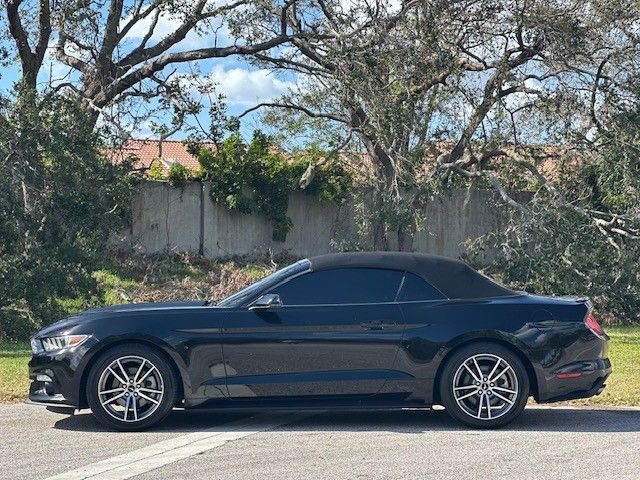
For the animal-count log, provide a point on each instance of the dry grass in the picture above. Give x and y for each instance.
(180, 277)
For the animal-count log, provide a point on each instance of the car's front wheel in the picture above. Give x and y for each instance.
(131, 387)
(484, 385)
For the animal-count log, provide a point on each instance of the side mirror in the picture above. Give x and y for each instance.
(266, 302)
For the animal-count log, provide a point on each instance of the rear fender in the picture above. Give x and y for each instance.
(505, 339)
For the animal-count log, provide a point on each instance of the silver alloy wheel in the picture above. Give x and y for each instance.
(485, 386)
(130, 389)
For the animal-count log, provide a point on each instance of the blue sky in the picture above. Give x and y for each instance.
(242, 84)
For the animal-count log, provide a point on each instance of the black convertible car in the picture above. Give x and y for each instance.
(358, 330)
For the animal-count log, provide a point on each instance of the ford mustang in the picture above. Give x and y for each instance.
(374, 330)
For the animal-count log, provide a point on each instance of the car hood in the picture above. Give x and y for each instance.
(95, 313)
(129, 307)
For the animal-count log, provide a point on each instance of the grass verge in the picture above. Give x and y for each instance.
(14, 380)
(623, 386)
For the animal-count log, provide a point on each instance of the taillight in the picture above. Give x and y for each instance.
(593, 325)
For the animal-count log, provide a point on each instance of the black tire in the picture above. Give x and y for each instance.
(163, 376)
(464, 409)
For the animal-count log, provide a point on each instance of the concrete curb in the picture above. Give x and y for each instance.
(621, 408)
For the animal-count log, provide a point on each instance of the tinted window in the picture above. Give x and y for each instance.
(239, 298)
(343, 285)
(415, 288)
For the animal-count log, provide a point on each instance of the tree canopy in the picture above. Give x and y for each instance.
(534, 95)
(493, 88)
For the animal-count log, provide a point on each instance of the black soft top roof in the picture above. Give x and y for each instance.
(453, 278)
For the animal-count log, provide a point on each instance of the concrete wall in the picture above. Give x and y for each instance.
(174, 219)
(166, 218)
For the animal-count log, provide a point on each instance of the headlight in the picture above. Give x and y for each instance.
(52, 344)
(36, 346)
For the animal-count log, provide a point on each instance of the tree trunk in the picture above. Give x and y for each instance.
(405, 238)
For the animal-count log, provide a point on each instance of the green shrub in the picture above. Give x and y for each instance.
(179, 175)
(156, 172)
(256, 178)
(60, 198)
(556, 249)
(559, 253)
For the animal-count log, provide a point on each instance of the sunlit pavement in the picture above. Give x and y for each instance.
(545, 443)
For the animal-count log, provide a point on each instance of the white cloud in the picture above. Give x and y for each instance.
(248, 87)
(214, 31)
(532, 83)
(166, 24)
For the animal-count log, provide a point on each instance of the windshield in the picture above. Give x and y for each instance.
(243, 296)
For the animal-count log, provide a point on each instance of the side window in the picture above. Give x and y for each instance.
(341, 285)
(415, 288)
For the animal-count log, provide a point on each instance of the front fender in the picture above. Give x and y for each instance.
(99, 347)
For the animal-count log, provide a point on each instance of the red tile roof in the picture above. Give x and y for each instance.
(148, 151)
(167, 151)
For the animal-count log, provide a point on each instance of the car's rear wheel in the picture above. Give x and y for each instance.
(131, 387)
(484, 385)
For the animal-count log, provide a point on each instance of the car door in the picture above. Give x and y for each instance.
(426, 323)
(337, 332)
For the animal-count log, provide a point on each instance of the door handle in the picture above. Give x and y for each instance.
(374, 325)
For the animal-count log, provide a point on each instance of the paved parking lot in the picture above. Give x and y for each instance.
(545, 443)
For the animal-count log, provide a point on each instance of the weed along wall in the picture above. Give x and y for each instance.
(185, 219)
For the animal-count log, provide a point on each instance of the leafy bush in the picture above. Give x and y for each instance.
(179, 175)
(60, 198)
(257, 178)
(123, 278)
(156, 171)
(559, 253)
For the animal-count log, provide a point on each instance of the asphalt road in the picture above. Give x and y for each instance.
(545, 443)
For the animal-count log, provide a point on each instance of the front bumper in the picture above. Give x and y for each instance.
(56, 378)
(44, 393)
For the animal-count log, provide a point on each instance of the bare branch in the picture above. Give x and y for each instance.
(310, 173)
(142, 53)
(31, 60)
(149, 69)
(290, 106)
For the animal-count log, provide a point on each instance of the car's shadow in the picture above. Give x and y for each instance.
(556, 419)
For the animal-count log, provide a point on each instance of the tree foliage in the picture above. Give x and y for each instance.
(126, 59)
(556, 247)
(471, 85)
(258, 178)
(509, 95)
(60, 198)
(539, 95)
(111, 64)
